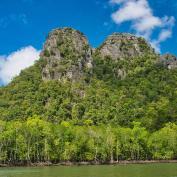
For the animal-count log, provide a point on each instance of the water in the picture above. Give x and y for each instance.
(150, 170)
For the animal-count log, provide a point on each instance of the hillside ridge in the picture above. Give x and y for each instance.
(121, 81)
(69, 56)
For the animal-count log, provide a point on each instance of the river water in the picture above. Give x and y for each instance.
(146, 170)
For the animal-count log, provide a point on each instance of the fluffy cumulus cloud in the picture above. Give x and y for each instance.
(142, 19)
(10, 66)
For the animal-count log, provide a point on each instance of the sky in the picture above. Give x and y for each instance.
(24, 25)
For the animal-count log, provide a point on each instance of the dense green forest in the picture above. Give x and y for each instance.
(102, 117)
(116, 120)
(148, 96)
(36, 140)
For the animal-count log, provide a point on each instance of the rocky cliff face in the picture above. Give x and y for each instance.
(67, 55)
(169, 61)
(124, 45)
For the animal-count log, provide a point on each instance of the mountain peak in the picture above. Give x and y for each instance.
(129, 85)
(125, 45)
(67, 54)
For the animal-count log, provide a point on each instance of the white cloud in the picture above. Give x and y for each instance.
(144, 25)
(165, 34)
(10, 66)
(168, 21)
(142, 19)
(131, 10)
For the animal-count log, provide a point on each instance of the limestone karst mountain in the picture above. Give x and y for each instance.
(124, 45)
(121, 81)
(68, 55)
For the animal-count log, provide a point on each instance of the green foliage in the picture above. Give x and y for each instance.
(37, 140)
(46, 53)
(105, 119)
(147, 94)
(162, 143)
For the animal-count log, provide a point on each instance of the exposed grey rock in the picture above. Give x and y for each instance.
(67, 54)
(121, 73)
(169, 61)
(124, 45)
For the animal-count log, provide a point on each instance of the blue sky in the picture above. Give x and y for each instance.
(24, 24)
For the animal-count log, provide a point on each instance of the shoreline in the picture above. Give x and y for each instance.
(47, 164)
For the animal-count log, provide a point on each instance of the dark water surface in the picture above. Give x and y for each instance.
(147, 170)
